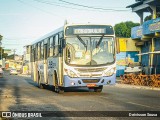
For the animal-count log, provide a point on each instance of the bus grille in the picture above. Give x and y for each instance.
(91, 75)
(82, 70)
(91, 80)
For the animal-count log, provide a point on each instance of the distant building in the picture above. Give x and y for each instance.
(8, 51)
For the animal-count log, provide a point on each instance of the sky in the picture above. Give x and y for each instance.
(24, 21)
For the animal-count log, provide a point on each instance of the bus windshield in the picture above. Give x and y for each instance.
(89, 50)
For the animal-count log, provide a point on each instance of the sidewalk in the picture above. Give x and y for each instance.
(119, 84)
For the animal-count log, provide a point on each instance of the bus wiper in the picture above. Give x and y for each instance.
(80, 39)
(100, 40)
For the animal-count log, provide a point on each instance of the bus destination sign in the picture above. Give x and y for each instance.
(89, 31)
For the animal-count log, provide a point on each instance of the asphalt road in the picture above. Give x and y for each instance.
(20, 93)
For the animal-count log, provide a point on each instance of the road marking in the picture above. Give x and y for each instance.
(140, 105)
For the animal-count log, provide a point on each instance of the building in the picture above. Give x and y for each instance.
(147, 35)
(128, 54)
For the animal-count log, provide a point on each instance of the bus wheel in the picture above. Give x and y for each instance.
(59, 90)
(98, 89)
(40, 85)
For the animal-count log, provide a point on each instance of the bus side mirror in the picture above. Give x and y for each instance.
(117, 46)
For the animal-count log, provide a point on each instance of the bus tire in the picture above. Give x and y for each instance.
(40, 85)
(58, 89)
(98, 89)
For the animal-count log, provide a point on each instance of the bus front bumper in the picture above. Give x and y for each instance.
(92, 82)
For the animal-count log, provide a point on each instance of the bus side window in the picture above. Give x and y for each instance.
(32, 54)
(48, 47)
(56, 45)
(51, 47)
(61, 42)
(36, 51)
(42, 50)
(39, 51)
(45, 51)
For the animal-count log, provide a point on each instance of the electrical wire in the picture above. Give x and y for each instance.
(60, 17)
(59, 5)
(91, 7)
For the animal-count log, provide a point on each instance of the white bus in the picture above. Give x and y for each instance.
(77, 55)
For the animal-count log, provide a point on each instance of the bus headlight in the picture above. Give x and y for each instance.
(110, 72)
(70, 73)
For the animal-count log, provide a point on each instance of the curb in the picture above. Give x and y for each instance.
(136, 87)
(24, 75)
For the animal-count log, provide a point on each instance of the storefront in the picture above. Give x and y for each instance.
(148, 33)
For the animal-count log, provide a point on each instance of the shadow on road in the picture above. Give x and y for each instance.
(2, 86)
(67, 90)
(16, 91)
(31, 82)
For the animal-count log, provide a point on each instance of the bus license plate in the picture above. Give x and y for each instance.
(91, 85)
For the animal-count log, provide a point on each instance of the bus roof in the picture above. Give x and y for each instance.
(48, 35)
(61, 29)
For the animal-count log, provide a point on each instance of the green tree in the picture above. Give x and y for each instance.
(5, 55)
(149, 17)
(123, 29)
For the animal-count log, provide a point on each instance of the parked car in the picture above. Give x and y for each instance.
(13, 71)
(1, 72)
(133, 68)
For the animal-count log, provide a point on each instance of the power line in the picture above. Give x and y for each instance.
(59, 5)
(39, 9)
(91, 7)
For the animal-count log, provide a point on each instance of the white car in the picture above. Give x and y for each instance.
(133, 68)
(1, 72)
(13, 71)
